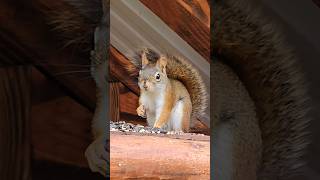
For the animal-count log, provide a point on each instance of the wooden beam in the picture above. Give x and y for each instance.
(61, 131)
(118, 62)
(198, 8)
(15, 151)
(128, 100)
(43, 89)
(184, 23)
(134, 155)
(60, 126)
(114, 101)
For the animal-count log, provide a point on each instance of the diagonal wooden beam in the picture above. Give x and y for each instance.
(118, 62)
(184, 22)
(198, 8)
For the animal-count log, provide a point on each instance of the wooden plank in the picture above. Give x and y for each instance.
(15, 155)
(118, 62)
(166, 157)
(179, 19)
(114, 101)
(61, 131)
(198, 8)
(128, 100)
(43, 90)
(61, 127)
(44, 170)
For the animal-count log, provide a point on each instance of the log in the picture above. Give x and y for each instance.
(160, 156)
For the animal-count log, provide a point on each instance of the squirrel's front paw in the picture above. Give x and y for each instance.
(141, 111)
(97, 155)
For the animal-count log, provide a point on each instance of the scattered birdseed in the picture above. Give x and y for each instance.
(122, 126)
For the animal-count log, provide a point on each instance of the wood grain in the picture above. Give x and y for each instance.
(43, 89)
(15, 153)
(184, 23)
(61, 131)
(114, 101)
(152, 156)
(198, 8)
(61, 127)
(128, 100)
(118, 62)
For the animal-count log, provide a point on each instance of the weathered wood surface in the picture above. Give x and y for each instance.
(198, 8)
(61, 131)
(185, 24)
(114, 101)
(15, 155)
(133, 155)
(118, 62)
(60, 126)
(128, 100)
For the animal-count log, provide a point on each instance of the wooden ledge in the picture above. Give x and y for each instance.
(159, 156)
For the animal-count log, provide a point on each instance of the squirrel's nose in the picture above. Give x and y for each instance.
(145, 85)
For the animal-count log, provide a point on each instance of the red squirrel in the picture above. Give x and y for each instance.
(172, 92)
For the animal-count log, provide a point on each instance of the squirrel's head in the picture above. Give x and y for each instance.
(152, 75)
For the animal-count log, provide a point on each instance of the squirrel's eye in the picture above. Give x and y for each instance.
(157, 76)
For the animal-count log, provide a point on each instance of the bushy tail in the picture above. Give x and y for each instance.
(179, 69)
(257, 53)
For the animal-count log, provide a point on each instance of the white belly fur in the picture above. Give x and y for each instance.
(153, 102)
(154, 109)
(175, 121)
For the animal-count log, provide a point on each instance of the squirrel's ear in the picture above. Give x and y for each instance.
(144, 59)
(162, 63)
